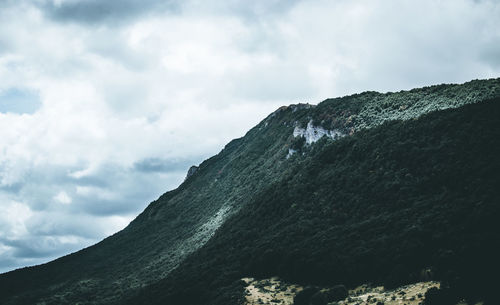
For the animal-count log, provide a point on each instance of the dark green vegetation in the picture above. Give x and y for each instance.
(380, 206)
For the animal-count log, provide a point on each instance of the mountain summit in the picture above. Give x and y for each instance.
(370, 187)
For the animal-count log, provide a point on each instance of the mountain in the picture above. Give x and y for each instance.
(364, 188)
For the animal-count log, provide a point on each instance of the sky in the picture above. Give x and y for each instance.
(104, 105)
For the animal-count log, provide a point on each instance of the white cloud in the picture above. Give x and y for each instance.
(14, 219)
(63, 198)
(128, 98)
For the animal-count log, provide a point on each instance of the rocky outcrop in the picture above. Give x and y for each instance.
(193, 169)
(314, 133)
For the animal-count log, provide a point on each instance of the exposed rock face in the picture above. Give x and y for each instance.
(191, 171)
(314, 133)
(290, 153)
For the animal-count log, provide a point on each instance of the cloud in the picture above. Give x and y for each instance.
(118, 12)
(51, 214)
(112, 11)
(63, 198)
(104, 105)
(161, 165)
(19, 101)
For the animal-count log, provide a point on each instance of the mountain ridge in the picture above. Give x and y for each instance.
(262, 241)
(180, 222)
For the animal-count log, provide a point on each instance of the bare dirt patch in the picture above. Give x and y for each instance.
(277, 292)
(270, 291)
(405, 295)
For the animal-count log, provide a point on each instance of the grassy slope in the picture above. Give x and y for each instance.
(379, 206)
(179, 222)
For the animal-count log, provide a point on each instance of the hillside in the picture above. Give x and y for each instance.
(380, 207)
(354, 189)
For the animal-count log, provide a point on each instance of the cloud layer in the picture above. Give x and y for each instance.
(104, 105)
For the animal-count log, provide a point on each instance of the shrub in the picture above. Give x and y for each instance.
(435, 296)
(337, 293)
(318, 298)
(303, 297)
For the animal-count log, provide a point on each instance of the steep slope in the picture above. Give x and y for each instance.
(388, 205)
(226, 187)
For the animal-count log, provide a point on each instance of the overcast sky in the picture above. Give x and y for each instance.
(104, 104)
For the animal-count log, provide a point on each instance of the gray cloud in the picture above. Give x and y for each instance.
(250, 11)
(8, 263)
(490, 54)
(158, 165)
(35, 247)
(4, 47)
(110, 11)
(62, 214)
(109, 190)
(11, 188)
(121, 11)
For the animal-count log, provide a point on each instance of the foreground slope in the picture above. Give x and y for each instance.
(283, 158)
